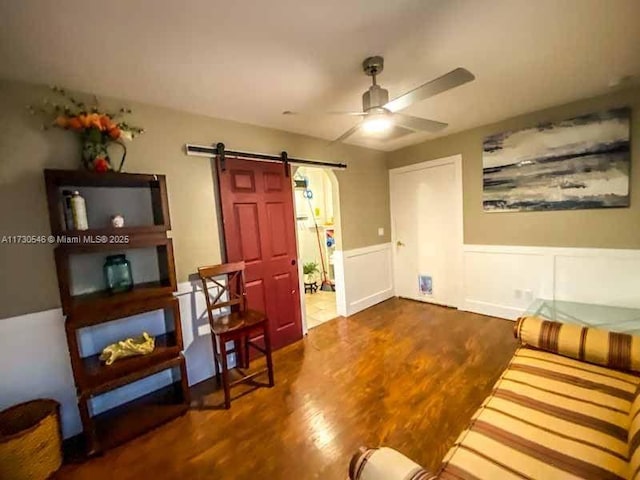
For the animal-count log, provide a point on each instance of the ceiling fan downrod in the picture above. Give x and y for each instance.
(376, 96)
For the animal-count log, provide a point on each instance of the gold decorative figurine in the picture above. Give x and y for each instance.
(141, 345)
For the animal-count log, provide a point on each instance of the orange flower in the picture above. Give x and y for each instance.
(114, 133)
(94, 121)
(105, 123)
(62, 121)
(75, 124)
(84, 121)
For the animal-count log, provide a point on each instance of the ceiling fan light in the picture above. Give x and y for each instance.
(375, 124)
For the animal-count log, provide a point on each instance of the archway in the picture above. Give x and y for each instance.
(319, 236)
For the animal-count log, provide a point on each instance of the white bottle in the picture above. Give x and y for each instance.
(79, 211)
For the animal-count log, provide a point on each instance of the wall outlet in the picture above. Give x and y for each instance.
(517, 293)
(204, 330)
(380, 232)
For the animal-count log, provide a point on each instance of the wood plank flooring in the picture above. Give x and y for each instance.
(402, 374)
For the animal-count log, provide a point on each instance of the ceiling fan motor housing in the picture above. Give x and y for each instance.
(375, 97)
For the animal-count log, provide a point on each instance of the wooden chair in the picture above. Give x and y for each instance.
(236, 326)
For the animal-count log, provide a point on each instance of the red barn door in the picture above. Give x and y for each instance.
(259, 228)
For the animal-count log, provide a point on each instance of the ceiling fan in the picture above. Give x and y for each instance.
(379, 114)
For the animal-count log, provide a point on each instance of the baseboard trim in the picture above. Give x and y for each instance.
(492, 309)
(369, 301)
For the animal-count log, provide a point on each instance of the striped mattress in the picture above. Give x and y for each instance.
(549, 417)
(559, 411)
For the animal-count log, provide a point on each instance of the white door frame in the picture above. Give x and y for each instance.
(458, 268)
(338, 259)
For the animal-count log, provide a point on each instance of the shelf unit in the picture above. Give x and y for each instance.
(102, 299)
(156, 185)
(86, 310)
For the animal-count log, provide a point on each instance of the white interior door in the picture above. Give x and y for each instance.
(426, 215)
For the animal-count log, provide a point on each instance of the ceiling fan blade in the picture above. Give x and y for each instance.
(353, 114)
(346, 134)
(418, 124)
(450, 80)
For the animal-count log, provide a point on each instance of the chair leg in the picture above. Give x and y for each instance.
(216, 363)
(267, 349)
(238, 347)
(241, 347)
(225, 373)
(246, 352)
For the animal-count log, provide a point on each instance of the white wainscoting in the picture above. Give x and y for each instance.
(366, 275)
(34, 359)
(34, 363)
(503, 280)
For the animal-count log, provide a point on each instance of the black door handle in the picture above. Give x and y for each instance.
(293, 262)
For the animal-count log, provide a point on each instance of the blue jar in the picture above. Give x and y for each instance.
(117, 274)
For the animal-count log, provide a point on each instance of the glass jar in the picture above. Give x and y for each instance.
(117, 273)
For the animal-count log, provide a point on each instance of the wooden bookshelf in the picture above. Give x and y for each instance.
(84, 311)
(156, 186)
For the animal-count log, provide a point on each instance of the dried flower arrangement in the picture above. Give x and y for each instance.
(97, 129)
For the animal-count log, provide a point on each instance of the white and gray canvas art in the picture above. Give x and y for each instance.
(578, 163)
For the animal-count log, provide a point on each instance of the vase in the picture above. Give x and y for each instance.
(95, 154)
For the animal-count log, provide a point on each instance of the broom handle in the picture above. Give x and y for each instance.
(324, 271)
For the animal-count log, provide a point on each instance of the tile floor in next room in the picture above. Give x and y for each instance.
(321, 307)
(402, 373)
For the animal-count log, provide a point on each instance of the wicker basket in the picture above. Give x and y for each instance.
(30, 440)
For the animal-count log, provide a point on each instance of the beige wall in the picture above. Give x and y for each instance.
(27, 272)
(606, 228)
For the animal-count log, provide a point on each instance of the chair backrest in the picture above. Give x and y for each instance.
(233, 287)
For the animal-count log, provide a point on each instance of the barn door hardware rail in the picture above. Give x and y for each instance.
(219, 151)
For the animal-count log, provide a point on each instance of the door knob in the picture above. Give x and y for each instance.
(399, 244)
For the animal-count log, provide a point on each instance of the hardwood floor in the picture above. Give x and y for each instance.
(402, 374)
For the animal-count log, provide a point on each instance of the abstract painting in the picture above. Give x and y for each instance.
(574, 164)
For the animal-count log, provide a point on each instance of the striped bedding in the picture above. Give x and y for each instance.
(549, 416)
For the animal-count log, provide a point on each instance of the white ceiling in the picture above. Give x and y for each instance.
(250, 60)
